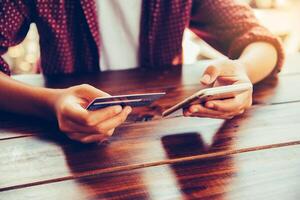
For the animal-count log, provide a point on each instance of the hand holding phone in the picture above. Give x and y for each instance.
(202, 96)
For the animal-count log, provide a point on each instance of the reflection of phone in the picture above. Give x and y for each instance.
(222, 92)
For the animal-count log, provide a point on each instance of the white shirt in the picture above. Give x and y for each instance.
(119, 22)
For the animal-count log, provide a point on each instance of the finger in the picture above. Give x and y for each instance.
(89, 92)
(75, 136)
(105, 124)
(248, 97)
(116, 121)
(92, 118)
(110, 132)
(209, 115)
(199, 109)
(69, 126)
(94, 138)
(210, 75)
(227, 105)
(241, 112)
(228, 80)
(98, 116)
(74, 111)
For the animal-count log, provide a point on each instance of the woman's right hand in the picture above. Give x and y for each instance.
(82, 125)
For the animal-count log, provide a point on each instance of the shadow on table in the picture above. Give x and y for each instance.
(265, 91)
(17, 125)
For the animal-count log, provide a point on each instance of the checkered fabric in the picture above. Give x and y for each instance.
(69, 32)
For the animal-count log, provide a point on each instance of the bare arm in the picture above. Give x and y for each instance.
(256, 62)
(252, 50)
(67, 106)
(259, 60)
(232, 28)
(21, 98)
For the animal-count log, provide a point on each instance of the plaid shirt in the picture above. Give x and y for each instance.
(70, 40)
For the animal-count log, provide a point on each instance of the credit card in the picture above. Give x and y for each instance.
(133, 100)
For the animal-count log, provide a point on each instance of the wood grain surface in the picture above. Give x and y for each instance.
(267, 174)
(253, 156)
(143, 143)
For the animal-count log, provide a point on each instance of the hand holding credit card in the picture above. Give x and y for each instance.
(133, 100)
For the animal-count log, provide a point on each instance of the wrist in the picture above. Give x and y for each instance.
(46, 102)
(242, 67)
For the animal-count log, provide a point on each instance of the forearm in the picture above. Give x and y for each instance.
(259, 59)
(21, 98)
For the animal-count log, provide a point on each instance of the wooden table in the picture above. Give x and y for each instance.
(254, 156)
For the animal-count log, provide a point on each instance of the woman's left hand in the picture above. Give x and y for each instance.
(223, 72)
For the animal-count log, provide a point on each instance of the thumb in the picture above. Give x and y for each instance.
(210, 75)
(90, 92)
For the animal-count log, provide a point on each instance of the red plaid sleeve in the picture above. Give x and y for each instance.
(230, 27)
(14, 26)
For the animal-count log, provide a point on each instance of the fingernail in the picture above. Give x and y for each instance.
(128, 110)
(103, 142)
(195, 109)
(209, 105)
(187, 114)
(205, 78)
(86, 140)
(118, 109)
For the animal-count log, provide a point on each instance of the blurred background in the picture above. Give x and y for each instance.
(282, 17)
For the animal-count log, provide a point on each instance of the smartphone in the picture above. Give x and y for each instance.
(134, 100)
(222, 92)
